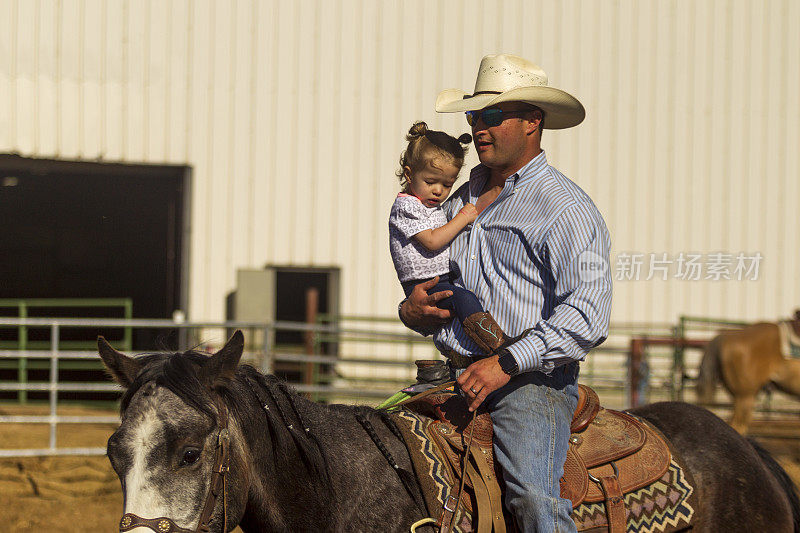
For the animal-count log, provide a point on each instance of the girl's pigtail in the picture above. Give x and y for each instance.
(465, 139)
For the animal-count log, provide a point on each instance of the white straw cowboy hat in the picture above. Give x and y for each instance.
(507, 78)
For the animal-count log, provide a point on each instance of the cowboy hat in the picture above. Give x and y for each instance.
(507, 78)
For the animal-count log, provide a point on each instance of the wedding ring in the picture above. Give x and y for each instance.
(473, 390)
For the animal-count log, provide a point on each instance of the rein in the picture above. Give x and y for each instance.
(409, 482)
(447, 522)
(221, 457)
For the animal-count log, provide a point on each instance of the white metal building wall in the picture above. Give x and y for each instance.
(291, 115)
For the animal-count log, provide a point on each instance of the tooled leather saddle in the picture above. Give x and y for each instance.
(610, 454)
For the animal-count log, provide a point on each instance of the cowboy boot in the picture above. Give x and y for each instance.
(485, 332)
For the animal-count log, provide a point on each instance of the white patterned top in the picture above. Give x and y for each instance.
(412, 260)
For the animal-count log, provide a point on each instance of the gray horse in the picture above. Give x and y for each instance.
(206, 445)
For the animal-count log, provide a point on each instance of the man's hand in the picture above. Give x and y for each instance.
(481, 378)
(420, 311)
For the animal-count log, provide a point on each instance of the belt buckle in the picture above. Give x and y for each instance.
(454, 503)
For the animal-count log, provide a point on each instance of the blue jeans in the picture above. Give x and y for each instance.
(531, 417)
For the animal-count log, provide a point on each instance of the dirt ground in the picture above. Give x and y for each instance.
(77, 494)
(57, 493)
(65, 494)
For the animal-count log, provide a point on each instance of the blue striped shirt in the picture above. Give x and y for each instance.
(537, 257)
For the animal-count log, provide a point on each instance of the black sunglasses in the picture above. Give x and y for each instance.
(491, 117)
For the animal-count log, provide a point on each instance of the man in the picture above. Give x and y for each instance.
(537, 258)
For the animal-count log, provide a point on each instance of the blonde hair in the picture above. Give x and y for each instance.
(425, 145)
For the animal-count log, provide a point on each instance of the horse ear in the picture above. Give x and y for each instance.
(121, 367)
(222, 365)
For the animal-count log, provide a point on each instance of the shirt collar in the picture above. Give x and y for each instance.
(532, 170)
(535, 168)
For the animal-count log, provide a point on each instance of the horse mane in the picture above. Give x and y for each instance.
(250, 395)
(279, 403)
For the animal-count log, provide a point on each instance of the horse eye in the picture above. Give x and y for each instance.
(190, 456)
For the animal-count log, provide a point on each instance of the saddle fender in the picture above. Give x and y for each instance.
(611, 453)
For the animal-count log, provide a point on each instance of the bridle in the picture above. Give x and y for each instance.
(221, 455)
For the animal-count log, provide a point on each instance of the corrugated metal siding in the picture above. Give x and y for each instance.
(292, 114)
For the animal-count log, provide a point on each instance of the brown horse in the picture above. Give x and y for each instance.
(745, 361)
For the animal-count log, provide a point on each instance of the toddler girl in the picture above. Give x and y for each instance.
(420, 234)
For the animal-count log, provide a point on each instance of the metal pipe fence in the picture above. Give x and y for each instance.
(260, 351)
(370, 363)
(25, 306)
(679, 355)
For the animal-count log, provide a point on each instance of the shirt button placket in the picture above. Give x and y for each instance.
(476, 228)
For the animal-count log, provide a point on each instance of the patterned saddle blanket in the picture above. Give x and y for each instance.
(620, 473)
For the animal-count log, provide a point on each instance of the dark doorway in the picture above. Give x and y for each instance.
(290, 300)
(92, 230)
(292, 286)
